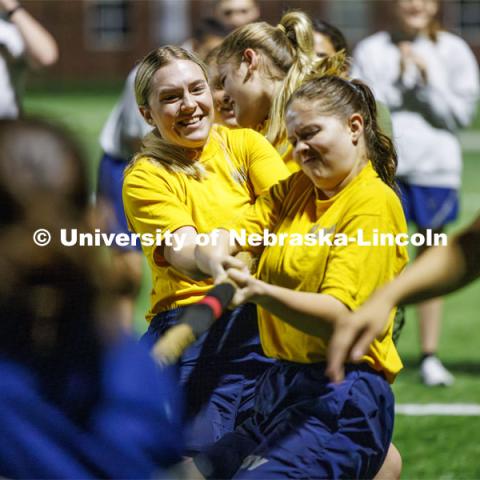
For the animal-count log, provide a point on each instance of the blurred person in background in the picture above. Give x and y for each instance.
(208, 35)
(227, 15)
(78, 398)
(328, 39)
(428, 77)
(236, 13)
(23, 43)
(120, 139)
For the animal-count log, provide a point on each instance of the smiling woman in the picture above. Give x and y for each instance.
(181, 110)
(189, 176)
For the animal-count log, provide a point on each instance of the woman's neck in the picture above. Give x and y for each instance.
(359, 165)
(270, 91)
(411, 32)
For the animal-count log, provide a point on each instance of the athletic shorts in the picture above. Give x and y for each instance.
(110, 183)
(218, 372)
(306, 427)
(429, 207)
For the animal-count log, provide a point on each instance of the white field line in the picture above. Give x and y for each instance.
(444, 409)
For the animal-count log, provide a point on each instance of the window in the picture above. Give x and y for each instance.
(108, 24)
(351, 17)
(463, 17)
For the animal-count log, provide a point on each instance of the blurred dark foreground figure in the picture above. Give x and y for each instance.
(78, 399)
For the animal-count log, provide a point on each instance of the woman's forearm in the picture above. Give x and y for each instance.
(181, 255)
(41, 47)
(211, 258)
(436, 272)
(312, 313)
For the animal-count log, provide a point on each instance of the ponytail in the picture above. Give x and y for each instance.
(379, 147)
(298, 29)
(290, 57)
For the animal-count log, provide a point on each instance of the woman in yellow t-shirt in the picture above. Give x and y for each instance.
(261, 65)
(324, 227)
(188, 176)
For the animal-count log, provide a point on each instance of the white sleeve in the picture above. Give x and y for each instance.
(377, 64)
(11, 40)
(452, 87)
(133, 124)
(125, 124)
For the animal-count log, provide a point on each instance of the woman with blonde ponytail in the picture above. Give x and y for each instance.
(261, 65)
(330, 216)
(189, 176)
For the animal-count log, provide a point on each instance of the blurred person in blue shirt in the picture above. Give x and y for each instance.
(78, 398)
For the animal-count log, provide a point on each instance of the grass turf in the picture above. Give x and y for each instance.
(432, 447)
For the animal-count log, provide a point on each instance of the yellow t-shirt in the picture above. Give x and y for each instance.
(349, 273)
(240, 165)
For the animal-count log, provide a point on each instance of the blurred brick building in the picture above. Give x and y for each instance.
(104, 38)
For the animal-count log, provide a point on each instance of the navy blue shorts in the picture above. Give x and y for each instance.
(218, 373)
(110, 184)
(429, 207)
(306, 427)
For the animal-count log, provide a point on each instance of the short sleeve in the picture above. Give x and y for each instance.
(11, 40)
(354, 271)
(133, 124)
(265, 166)
(264, 214)
(151, 204)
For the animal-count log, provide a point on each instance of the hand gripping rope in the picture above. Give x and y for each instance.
(192, 322)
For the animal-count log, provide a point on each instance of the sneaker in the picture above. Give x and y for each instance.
(434, 373)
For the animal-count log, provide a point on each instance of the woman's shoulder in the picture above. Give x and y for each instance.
(145, 167)
(373, 195)
(244, 144)
(238, 135)
(295, 185)
(451, 41)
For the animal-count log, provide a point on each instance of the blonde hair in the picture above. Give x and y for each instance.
(172, 157)
(289, 51)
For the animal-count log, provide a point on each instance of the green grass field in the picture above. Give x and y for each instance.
(432, 447)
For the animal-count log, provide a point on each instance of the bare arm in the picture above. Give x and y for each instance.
(438, 271)
(41, 47)
(214, 258)
(210, 261)
(181, 254)
(312, 313)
